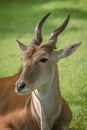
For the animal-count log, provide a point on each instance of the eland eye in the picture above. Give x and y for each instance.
(43, 60)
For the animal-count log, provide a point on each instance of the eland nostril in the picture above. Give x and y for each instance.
(20, 86)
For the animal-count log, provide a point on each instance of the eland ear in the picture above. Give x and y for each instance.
(69, 50)
(66, 51)
(21, 46)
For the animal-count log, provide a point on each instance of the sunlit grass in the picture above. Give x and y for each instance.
(17, 21)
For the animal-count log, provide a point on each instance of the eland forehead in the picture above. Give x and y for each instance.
(34, 53)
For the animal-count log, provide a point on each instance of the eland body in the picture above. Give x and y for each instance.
(36, 103)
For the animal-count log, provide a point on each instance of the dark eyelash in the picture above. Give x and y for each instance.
(43, 60)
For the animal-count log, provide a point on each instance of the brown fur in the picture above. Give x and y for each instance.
(64, 119)
(15, 110)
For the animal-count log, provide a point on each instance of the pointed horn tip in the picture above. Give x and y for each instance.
(68, 17)
(47, 14)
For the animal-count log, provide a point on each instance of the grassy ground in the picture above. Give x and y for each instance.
(17, 21)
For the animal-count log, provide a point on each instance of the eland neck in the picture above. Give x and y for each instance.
(49, 99)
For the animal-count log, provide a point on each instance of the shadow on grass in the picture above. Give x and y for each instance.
(20, 17)
(72, 129)
(75, 13)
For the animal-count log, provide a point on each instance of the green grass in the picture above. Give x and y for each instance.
(17, 21)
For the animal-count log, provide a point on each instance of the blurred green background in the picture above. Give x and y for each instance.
(17, 21)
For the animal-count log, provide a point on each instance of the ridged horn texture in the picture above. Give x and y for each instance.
(38, 35)
(53, 38)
